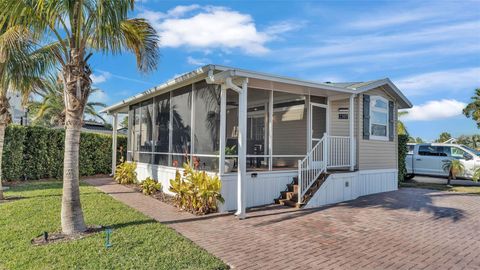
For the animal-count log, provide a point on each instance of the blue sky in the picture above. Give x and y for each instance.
(431, 50)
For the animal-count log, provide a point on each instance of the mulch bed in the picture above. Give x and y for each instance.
(60, 237)
(166, 198)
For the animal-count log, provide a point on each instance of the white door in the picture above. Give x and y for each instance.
(318, 124)
(430, 160)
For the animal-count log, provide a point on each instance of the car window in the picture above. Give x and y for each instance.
(437, 151)
(457, 152)
(410, 149)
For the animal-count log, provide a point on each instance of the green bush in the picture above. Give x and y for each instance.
(150, 186)
(196, 191)
(125, 173)
(36, 152)
(402, 154)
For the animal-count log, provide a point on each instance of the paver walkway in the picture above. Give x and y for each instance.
(406, 229)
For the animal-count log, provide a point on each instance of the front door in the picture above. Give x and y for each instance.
(318, 123)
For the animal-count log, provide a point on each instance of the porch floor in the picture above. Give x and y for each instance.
(404, 229)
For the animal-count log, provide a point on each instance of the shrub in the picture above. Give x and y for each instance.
(196, 191)
(150, 186)
(402, 155)
(476, 175)
(35, 152)
(125, 173)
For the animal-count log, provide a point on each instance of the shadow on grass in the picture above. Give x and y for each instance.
(131, 223)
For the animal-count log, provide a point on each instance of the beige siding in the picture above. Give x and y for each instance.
(338, 127)
(374, 154)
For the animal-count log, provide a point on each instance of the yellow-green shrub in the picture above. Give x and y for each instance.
(150, 186)
(196, 191)
(125, 173)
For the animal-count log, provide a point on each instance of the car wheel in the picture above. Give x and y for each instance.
(409, 176)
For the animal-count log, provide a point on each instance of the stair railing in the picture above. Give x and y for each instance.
(312, 166)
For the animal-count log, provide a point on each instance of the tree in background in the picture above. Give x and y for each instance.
(49, 110)
(401, 128)
(124, 123)
(473, 108)
(444, 136)
(415, 140)
(75, 29)
(472, 141)
(21, 66)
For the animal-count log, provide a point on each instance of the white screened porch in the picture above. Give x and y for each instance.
(245, 126)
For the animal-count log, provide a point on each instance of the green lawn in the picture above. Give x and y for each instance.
(465, 189)
(138, 241)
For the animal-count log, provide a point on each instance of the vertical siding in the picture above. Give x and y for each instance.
(375, 154)
(342, 187)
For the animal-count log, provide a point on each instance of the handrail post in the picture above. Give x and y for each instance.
(299, 194)
(326, 143)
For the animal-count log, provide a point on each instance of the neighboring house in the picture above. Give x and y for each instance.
(16, 108)
(330, 142)
(95, 127)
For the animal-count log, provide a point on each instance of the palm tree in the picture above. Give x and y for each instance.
(473, 108)
(454, 168)
(50, 110)
(20, 68)
(476, 175)
(77, 29)
(401, 128)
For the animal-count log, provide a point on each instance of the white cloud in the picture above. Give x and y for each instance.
(445, 80)
(434, 110)
(100, 78)
(197, 61)
(98, 96)
(212, 27)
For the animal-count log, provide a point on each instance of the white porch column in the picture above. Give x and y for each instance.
(351, 118)
(223, 124)
(114, 142)
(242, 149)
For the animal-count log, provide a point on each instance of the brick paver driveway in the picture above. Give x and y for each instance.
(406, 229)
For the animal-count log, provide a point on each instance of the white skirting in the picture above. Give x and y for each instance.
(340, 187)
(263, 187)
(260, 190)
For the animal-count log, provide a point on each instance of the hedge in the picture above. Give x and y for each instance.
(33, 152)
(402, 154)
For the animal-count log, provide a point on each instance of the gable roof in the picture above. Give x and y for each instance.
(200, 73)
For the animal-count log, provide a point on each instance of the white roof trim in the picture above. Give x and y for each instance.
(235, 72)
(394, 89)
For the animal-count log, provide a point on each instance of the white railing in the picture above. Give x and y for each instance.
(310, 168)
(338, 151)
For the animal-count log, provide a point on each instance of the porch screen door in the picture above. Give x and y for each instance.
(318, 122)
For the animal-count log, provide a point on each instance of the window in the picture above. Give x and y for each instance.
(410, 149)
(181, 106)
(161, 129)
(459, 153)
(206, 125)
(436, 151)
(289, 129)
(378, 118)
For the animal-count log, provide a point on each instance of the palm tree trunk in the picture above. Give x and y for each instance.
(77, 84)
(2, 137)
(72, 214)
